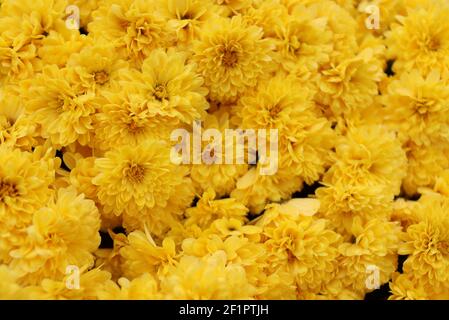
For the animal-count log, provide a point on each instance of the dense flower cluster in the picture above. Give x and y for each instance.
(361, 195)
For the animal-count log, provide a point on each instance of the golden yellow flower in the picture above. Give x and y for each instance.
(427, 242)
(25, 180)
(97, 66)
(134, 27)
(303, 244)
(425, 164)
(141, 184)
(302, 38)
(420, 39)
(231, 56)
(63, 233)
(61, 107)
(406, 287)
(419, 106)
(371, 250)
(350, 82)
(172, 86)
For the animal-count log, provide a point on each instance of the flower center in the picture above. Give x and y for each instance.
(135, 173)
(423, 106)
(160, 92)
(275, 110)
(7, 190)
(434, 44)
(229, 58)
(101, 77)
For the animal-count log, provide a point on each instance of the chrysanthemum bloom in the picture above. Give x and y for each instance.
(300, 243)
(231, 56)
(425, 164)
(419, 107)
(63, 233)
(427, 243)
(278, 103)
(421, 39)
(34, 23)
(222, 178)
(25, 179)
(135, 27)
(302, 38)
(57, 49)
(349, 82)
(126, 119)
(371, 249)
(407, 287)
(97, 66)
(369, 165)
(142, 255)
(209, 277)
(61, 107)
(340, 22)
(172, 86)
(143, 185)
(34, 19)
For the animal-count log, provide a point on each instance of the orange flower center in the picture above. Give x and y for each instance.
(135, 173)
(7, 190)
(101, 77)
(229, 58)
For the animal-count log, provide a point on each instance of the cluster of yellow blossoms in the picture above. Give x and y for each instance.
(85, 120)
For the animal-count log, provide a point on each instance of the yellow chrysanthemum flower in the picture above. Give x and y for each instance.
(302, 38)
(421, 39)
(372, 249)
(302, 244)
(25, 180)
(419, 107)
(426, 242)
(63, 233)
(231, 56)
(62, 108)
(141, 184)
(173, 87)
(135, 27)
